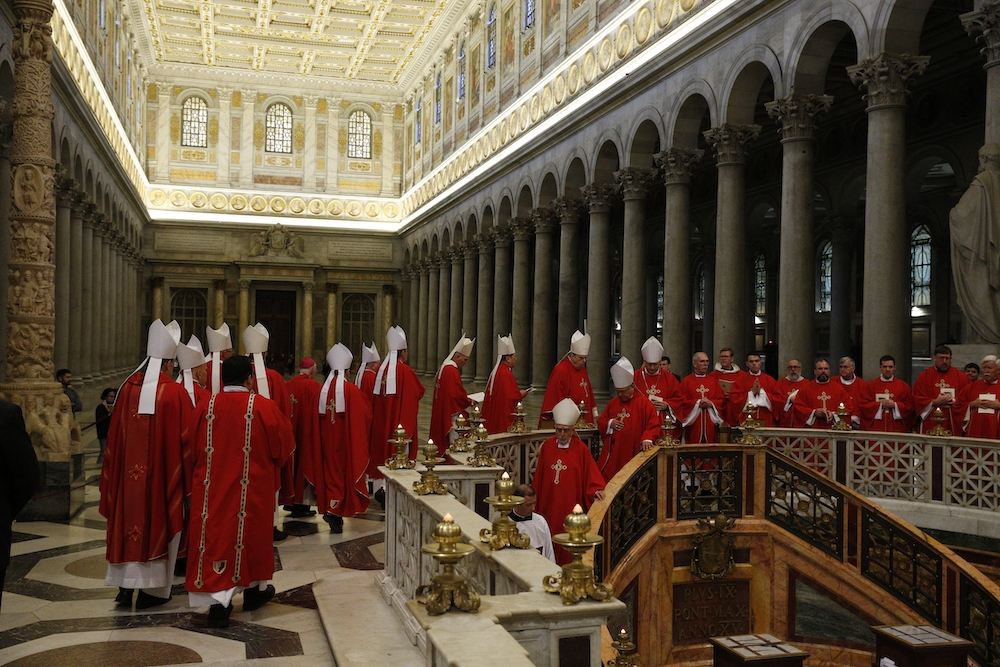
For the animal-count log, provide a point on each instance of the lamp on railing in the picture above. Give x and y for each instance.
(399, 459)
(429, 481)
(581, 421)
(667, 439)
(480, 457)
(938, 428)
(577, 581)
(504, 532)
(626, 649)
(448, 588)
(463, 429)
(843, 419)
(517, 426)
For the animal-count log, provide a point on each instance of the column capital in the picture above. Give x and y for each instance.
(984, 25)
(797, 114)
(248, 95)
(543, 220)
(884, 78)
(522, 228)
(634, 182)
(311, 100)
(471, 247)
(224, 94)
(458, 251)
(244, 285)
(434, 262)
(675, 164)
(598, 196)
(501, 236)
(308, 286)
(730, 141)
(332, 288)
(568, 209)
(484, 242)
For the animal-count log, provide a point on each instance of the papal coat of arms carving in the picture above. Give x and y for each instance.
(713, 552)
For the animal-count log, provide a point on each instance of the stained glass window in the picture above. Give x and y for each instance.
(920, 266)
(278, 125)
(491, 38)
(359, 136)
(760, 286)
(419, 118)
(824, 297)
(529, 13)
(194, 123)
(699, 311)
(437, 99)
(190, 308)
(461, 72)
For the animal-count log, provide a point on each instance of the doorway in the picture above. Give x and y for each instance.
(276, 311)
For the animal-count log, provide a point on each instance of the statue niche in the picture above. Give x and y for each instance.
(275, 241)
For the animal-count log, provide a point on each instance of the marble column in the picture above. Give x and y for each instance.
(485, 329)
(114, 303)
(521, 298)
(413, 324)
(309, 149)
(569, 210)
(405, 298)
(984, 23)
(886, 315)
(470, 314)
(444, 341)
(64, 203)
(429, 350)
(219, 309)
(97, 290)
(421, 346)
(599, 313)
(104, 324)
(797, 269)
(840, 294)
(388, 306)
(634, 183)
(224, 141)
(87, 293)
(249, 99)
(156, 283)
(543, 331)
(307, 319)
(332, 304)
(457, 294)
(731, 324)
(244, 315)
(162, 152)
(676, 164)
(503, 277)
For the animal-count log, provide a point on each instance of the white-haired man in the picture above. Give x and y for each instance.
(978, 402)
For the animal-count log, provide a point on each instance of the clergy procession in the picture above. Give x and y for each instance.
(196, 468)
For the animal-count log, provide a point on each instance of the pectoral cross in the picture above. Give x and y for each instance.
(583, 384)
(824, 398)
(622, 415)
(331, 408)
(653, 391)
(702, 389)
(558, 466)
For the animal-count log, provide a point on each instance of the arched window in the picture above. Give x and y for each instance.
(825, 276)
(359, 136)
(760, 286)
(491, 38)
(529, 13)
(419, 118)
(358, 319)
(920, 266)
(461, 72)
(101, 20)
(278, 124)
(194, 123)
(437, 99)
(699, 304)
(190, 308)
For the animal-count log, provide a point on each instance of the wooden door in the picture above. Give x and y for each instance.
(276, 311)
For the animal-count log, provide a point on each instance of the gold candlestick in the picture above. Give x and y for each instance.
(480, 457)
(399, 460)
(938, 428)
(461, 443)
(576, 581)
(517, 426)
(843, 419)
(582, 422)
(429, 481)
(626, 649)
(504, 532)
(667, 439)
(448, 588)
(748, 424)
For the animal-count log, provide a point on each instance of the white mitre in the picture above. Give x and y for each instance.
(565, 413)
(622, 373)
(580, 343)
(161, 343)
(219, 340)
(505, 346)
(339, 359)
(463, 346)
(255, 341)
(189, 356)
(368, 355)
(396, 340)
(652, 350)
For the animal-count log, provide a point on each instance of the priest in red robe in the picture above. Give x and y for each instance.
(815, 404)
(220, 348)
(628, 425)
(142, 479)
(397, 399)
(502, 392)
(886, 403)
(303, 397)
(569, 379)
(939, 387)
(756, 390)
(704, 403)
(979, 400)
(345, 422)
(450, 397)
(236, 463)
(193, 370)
(854, 385)
(787, 385)
(659, 385)
(367, 370)
(566, 474)
(726, 372)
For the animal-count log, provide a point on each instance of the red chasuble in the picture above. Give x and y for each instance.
(979, 424)
(564, 478)
(930, 384)
(142, 480)
(567, 382)
(641, 423)
(855, 390)
(342, 489)
(501, 400)
(667, 388)
(303, 397)
(449, 399)
(279, 394)
(226, 549)
(740, 395)
(368, 385)
(876, 418)
(727, 379)
(785, 388)
(701, 425)
(391, 411)
(814, 396)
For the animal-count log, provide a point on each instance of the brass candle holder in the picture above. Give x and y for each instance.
(626, 649)
(504, 532)
(843, 419)
(576, 581)
(517, 426)
(480, 456)
(667, 439)
(400, 460)
(581, 421)
(429, 481)
(938, 428)
(748, 425)
(448, 588)
(463, 429)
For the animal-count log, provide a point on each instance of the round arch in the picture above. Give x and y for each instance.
(748, 74)
(818, 37)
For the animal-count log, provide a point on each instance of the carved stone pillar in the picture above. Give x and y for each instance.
(332, 304)
(456, 294)
(470, 313)
(63, 287)
(97, 294)
(676, 164)
(219, 311)
(103, 344)
(634, 185)
(569, 274)
(444, 342)
(223, 142)
(886, 317)
(307, 320)
(421, 346)
(388, 297)
(412, 323)
(521, 297)
(543, 330)
(247, 138)
(87, 293)
(731, 324)
(118, 321)
(985, 24)
(430, 347)
(244, 314)
(486, 307)
(309, 149)
(598, 198)
(502, 277)
(796, 274)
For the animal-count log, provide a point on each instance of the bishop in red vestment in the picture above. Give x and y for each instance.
(566, 474)
(569, 379)
(303, 401)
(450, 397)
(726, 372)
(628, 425)
(367, 370)
(397, 399)
(759, 391)
(659, 385)
(939, 387)
(816, 403)
(240, 440)
(855, 388)
(220, 348)
(502, 392)
(786, 386)
(886, 403)
(980, 404)
(703, 405)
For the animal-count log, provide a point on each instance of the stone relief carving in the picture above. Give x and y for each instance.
(29, 350)
(31, 292)
(32, 40)
(29, 187)
(275, 241)
(31, 241)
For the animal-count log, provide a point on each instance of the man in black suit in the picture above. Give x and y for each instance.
(19, 475)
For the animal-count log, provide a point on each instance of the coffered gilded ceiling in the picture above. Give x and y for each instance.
(359, 42)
